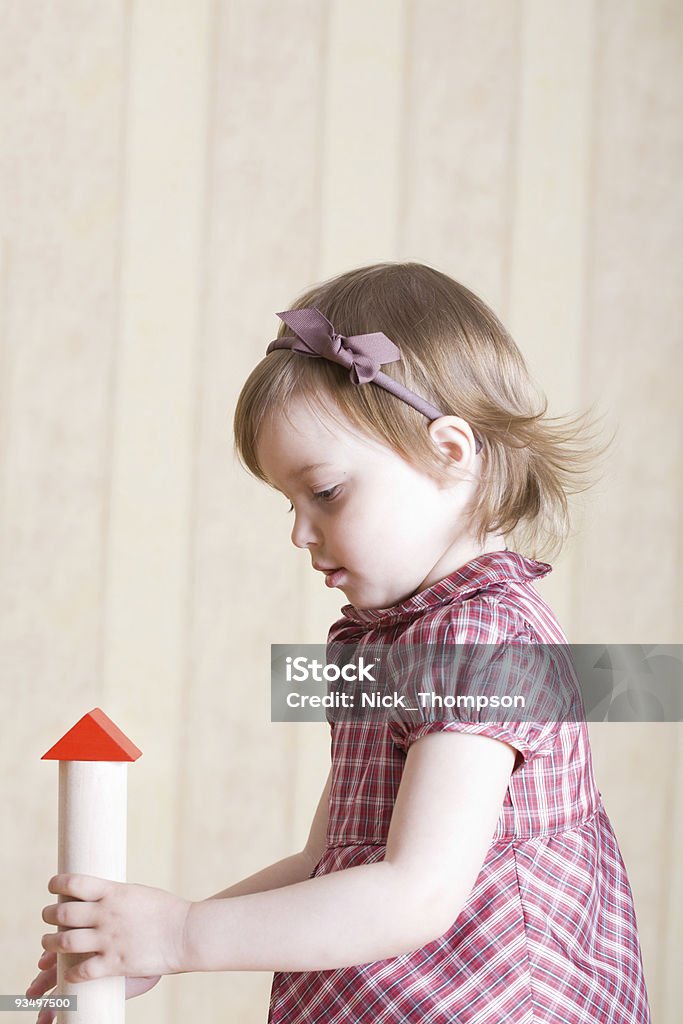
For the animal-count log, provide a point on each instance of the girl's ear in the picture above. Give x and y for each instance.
(454, 438)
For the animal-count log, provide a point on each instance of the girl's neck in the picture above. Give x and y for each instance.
(462, 552)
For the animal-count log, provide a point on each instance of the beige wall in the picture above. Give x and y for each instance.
(172, 172)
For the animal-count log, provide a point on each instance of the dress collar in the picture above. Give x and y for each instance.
(478, 574)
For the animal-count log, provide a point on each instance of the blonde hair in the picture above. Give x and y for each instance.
(458, 355)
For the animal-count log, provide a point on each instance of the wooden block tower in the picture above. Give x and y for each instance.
(93, 778)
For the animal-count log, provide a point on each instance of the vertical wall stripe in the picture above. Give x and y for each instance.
(360, 187)
(635, 341)
(151, 473)
(4, 371)
(549, 218)
(458, 135)
(672, 892)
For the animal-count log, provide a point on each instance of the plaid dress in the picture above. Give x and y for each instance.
(548, 933)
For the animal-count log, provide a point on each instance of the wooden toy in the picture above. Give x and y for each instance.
(93, 778)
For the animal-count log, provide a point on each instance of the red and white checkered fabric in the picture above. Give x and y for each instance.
(548, 933)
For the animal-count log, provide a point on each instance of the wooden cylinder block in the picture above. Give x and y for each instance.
(92, 841)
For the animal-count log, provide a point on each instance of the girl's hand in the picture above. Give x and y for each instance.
(47, 980)
(132, 930)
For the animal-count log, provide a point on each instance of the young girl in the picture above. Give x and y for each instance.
(457, 869)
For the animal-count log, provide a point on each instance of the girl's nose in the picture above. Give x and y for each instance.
(304, 532)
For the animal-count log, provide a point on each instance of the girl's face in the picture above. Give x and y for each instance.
(389, 529)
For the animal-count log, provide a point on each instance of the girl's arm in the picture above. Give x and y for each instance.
(291, 869)
(445, 814)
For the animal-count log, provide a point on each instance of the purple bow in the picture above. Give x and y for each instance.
(362, 354)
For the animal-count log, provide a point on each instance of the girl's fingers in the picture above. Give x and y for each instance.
(73, 940)
(73, 914)
(47, 979)
(79, 887)
(47, 960)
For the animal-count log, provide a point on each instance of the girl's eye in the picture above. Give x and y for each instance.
(328, 495)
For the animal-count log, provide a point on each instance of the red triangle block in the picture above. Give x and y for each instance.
(93, 738)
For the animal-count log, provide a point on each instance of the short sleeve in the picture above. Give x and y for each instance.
(511, 691)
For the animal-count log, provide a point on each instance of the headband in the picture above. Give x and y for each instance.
(361, 354)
